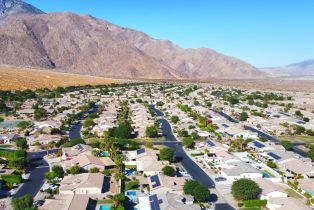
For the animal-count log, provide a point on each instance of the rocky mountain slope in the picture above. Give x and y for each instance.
(305, 68)
(86, 45)
(16, 7)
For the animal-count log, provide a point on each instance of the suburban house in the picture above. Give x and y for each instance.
(220, 158)
(276, 156)
(89, 161)
(150, 166)
(270, 189)
(294, 167)
(165, 184)
(43, 139)
(135, 154)
(238, 170)
(258, 146)
(69, 152)
(145, 161)
(285, 203)
(7, 138)
(82, 184)
(166, 201)
(67, 202)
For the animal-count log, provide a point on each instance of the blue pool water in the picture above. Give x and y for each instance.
(132, 195)
(104, 154)
(129, 172)
(105, 207)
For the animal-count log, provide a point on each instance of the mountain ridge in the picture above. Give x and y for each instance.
(303, 68)
(16, 7)
(83, 44)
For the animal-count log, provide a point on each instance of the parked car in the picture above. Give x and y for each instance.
(53, 186)
(12, 192)
(38, 203)
(220, 179)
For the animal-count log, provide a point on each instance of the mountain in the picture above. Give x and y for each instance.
(305, 68)
(187, 63)
(16, 7)
(82, 44)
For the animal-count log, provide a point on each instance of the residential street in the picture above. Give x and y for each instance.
(75, 132)
(37, 171)
(192, 168)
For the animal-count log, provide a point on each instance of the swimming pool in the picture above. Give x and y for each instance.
(105, 207)
(130, 171)
(132, 195)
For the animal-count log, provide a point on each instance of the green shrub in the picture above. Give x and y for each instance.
(167, 154)
(73, 142)
(245, 189)
(23, 203)
(132, 185)
(94, 170)
(10, 180)
(169, 171)
(151, 132)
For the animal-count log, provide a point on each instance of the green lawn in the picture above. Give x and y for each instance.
(149, 139)
(306, 139)
(5, 146)
(251, 208)
(104, 201)
(293, 194)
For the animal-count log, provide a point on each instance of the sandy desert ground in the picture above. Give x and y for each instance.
(24, 78)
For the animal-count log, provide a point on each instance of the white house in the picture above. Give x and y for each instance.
(240, 170)
(86, 183)
(270, 189)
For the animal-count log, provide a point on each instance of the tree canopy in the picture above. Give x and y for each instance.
(174, 119)
(243, 116)
(287, 145)
(245, 189)
(151, 132)
(169, 171)
(23, 203)
(188, 142)
(167, 154)
(198, 191)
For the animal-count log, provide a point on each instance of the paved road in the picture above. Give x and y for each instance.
(192, 168)
(263, 134)
(75, 132)
(37, 179)
(171, 141)
(231, 119)
(38, 168)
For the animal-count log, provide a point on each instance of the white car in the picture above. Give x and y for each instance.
(12, 192)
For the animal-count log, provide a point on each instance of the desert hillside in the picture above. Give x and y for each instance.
(83, 44)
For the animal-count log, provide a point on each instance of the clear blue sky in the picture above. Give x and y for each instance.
(261, 32)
